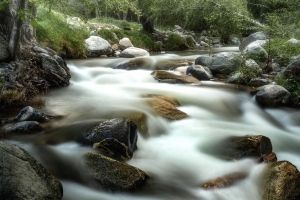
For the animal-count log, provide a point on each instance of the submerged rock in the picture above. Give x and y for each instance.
(162, 76)
(139, 63)
(281, 181)
(113, 175)
(31, 114)
(166, 107)
(239, 147)
(224, 181)
(116, 136)
(26, 126)
(23, 178)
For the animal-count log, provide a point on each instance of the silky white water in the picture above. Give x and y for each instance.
(174, 153)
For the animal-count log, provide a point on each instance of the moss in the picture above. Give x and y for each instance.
(291, 83)
(12, 98)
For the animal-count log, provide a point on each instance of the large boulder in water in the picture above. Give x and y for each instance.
(114, 175)
(199, 72)
(32, 114)
(221, 63)
(239, 147)
(272, 96)
(97, 46)
(25, 127)
(117, 137)
(281, 181)
(138, 63)
(23, 178)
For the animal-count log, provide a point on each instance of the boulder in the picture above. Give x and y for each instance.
(125, 43)
(138, 63)
(293, 69)
(225, 181)
(132, 52)
(113, 175)
(251, 38)
(256, 51)
(272, 96)
(250, 63)
(239, 147)
(166, 76)
(200, 72)
(237, 78)
(22, 177)
(117, 137)
(281, 181)
(166, 107)
(258, 82)
(97, 46)
(221, 63)
(31, 114)
(293, 41)
(26, 126)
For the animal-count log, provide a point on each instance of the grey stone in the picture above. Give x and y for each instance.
(251, 38)
(272, 96)
(200, 72)
(97, 46)
(22, 177)
(132, 52)
(24, 127)
(31, 114)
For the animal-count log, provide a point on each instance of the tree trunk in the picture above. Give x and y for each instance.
(148, 24)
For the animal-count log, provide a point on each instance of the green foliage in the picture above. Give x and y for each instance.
(142, 40)
(120, 23)
(108, 35)
(54, 32)
(244, 73)
(176, 43)
(291, 83)
(282, 50)
(3, 3)
(190, 41)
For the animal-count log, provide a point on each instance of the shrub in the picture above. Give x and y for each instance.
(108, 35)
(176, 43)
(282, 50)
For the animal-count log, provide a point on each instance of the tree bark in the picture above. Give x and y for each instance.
(148, 24)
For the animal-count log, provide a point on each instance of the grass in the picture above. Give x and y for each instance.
(53, 31)
(10, 98)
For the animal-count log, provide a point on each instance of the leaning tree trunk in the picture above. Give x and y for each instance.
(10, 26)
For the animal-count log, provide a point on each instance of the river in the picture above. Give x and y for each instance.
(174, 153)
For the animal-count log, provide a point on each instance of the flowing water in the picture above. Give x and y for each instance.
(174, 153)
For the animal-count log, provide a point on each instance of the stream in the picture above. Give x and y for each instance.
(174, 153)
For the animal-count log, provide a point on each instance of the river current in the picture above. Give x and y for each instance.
(174, 153)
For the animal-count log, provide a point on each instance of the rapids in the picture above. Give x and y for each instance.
(174, 153)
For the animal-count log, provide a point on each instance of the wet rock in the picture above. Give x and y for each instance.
(225, 181)
(125, 43)
(251, 38)
(239, 147)
(25, 127)
(138, 63)
(117, 137)
(97, 46)
(272, 96)
(281, 181)
(200, 72)
(221, 63)
(258, 82)
(132, 52)
(113, 175)
(31, 114)
(268, 158)
(166, 107)
(237, 78)
(167, 75)
(23, 178)
(171, 64)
